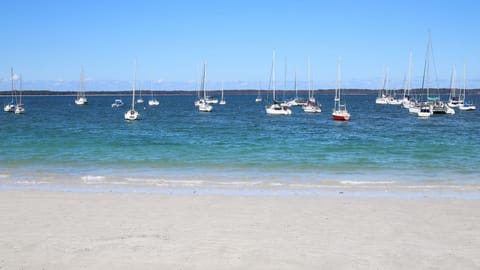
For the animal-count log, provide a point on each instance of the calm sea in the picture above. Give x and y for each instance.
(59, 145)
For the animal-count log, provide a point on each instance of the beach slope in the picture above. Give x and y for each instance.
(74, 230)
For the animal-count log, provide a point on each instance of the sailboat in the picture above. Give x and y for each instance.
(276, 108)
(10, 107)
(408, 101)
(453, 99)
(382, 94)
(222, 100)
(438, 107)
(259, 97)
(464, 105)
(81, 98)
(140, 98)
(20, 107)
(132, 114)
(203, 104)
(153, 100)
(340, 112)
(311, 106)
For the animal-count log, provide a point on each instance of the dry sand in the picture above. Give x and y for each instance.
(67, 230)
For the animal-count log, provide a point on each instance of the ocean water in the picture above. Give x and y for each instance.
(59, 145)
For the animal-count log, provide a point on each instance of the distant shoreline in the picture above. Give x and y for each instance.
(441, 91)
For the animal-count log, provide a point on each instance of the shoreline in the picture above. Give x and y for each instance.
(78, 230)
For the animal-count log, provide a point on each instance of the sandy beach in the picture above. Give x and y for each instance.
(74, 230)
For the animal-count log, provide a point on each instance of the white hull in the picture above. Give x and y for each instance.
(118, 103)
(414, 109)
(205, 107)
(222, 102)
(467, 107)
(153, 102)
(258, 100)
(381, 101)
(276, 109)
(19, 109)
(454, 104)
(312, 109)
(425, 110)
(81, 101)
(132, 115)
(9, 108)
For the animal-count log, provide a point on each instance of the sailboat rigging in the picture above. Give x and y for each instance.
(132, 114)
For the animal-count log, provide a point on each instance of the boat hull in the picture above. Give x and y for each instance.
(276, 109)
(132, 115)
(81, 101)
(341, 116)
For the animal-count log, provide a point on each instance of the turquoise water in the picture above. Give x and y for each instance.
(59, 144)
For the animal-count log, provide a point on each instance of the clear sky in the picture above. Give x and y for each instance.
(48, 42)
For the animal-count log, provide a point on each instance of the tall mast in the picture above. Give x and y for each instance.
(409, 76)
(309, 87)
(134, 83)
(272, 76)
(464, 81)
(426, 66)
(452, 82)
(11, 78)
(339, 78)
(82, 85)
(295, 84)
(204, 81)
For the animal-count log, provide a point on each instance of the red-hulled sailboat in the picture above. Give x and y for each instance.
(340, 112)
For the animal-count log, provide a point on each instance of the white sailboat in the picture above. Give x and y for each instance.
(408, 101)
(464, 105)
(204, 105)
(20, 107)
(10, 107)
(276, 108)
(222, 99)
(259, 97)
(81, 98)
(453, 99)
(382, 94)
(438, 106)
(140, 98)
(340, 112)
(153, 100)
(131, 114)
(311, 106)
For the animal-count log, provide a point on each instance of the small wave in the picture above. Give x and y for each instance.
(349, 182)
(4, 175)
(31, 182)
(92, 178)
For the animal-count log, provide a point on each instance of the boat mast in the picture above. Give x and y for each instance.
(309, 87)
(204, 81)
(464, 82)
(272, 76)
(426, 66)
(295, 84)
(452, 83)
(134, 83)
(82, 86)
(409, 76)
(11, 78)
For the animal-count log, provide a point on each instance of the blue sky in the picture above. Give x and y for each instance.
(48, 42)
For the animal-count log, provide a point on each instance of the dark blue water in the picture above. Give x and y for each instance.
(59, 143)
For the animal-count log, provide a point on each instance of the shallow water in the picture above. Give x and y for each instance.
(59, 144)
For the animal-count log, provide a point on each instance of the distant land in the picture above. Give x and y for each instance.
(434, 91)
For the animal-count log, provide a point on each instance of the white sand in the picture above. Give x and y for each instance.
(53, 230)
